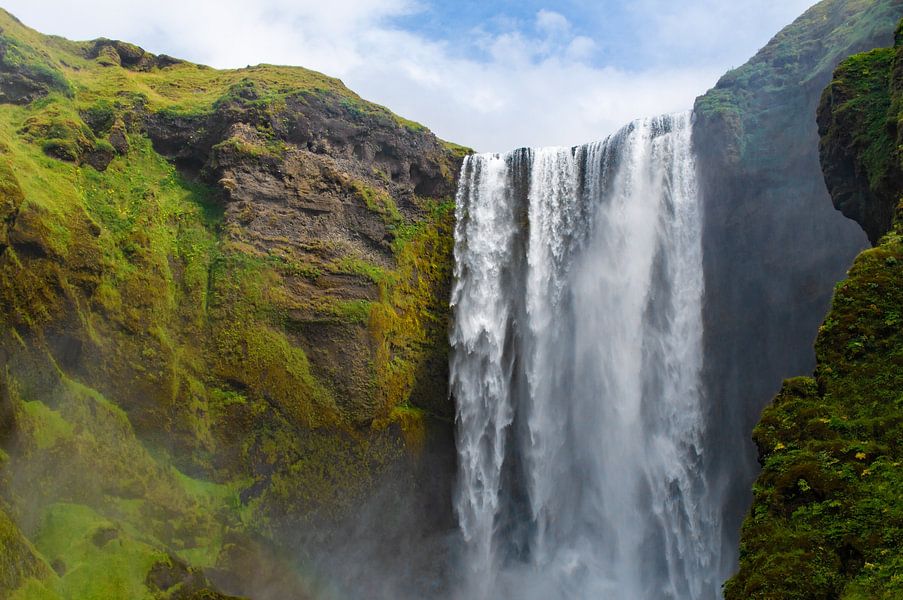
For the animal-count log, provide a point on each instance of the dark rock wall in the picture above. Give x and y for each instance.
(827, 516)
(773, 244)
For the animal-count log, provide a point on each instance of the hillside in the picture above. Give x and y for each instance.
(827, 521)
(224, 320)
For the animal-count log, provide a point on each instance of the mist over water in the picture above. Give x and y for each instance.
(576, 361)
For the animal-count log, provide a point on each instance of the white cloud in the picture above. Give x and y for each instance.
(713, 29)
(533, 87)
(552, 23)
(581, 48)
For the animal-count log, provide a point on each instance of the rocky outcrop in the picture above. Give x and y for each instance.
(827, 517)
(859, 124)
(773, 244)
(115, 53)
(326, 188)
(26, 73)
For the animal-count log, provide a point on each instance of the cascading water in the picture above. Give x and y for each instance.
(576, 369)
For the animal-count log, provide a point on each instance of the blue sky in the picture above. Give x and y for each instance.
(613, 26)
(493, 75)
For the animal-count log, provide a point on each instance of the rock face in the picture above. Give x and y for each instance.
(223, 331)
(827, 519)
(773, 244)
(858, 121)
(25, 72)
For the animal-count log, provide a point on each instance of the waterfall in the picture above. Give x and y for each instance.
(576, 360)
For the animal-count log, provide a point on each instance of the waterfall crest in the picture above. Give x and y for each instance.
(576, 360)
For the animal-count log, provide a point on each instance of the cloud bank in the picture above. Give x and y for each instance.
(532, 80)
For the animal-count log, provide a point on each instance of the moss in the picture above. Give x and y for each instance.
(379, 201)
(59, 131)
(828, 501)
(18, 57)
(866, 78)
(457, 150)
(351, 311)
(409, 322)
(19, 560)
(34, 589)
(250, 350)
(85, 455)
(100, 116)
(858, 118)
(356, 266)
(252, 149)
(96, 565)
(411, 421)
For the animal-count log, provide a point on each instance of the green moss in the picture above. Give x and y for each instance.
(249, 348)
(59, 131)
(457, 150)
(86, 455)
(411, 421)
(100, 116)
(409, 323)
(356, 266)
(379, 201)
(20, 562)
(859, 117)
(351, 311)
(33, 589)
(252, 149)
(95, 568)
(829, 500)
(17, 56)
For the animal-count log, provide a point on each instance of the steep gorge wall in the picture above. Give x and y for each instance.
(773, 244)
(224, 322)
(827, 519)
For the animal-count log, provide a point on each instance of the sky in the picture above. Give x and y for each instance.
(493, 74)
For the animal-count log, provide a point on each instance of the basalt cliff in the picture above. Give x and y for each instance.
(827, 519)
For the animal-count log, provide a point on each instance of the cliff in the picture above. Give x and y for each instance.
(860, 139)
(773, 244)
(827, 521)
(223, 325)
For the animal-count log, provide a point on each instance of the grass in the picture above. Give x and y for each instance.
(118, 510)
(95, 570)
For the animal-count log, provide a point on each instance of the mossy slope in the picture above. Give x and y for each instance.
(224, 304)
(827, 519)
